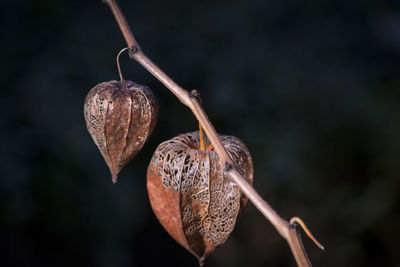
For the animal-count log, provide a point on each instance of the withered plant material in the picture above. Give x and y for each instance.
(192, 196)
(287, 230)
(120, 120)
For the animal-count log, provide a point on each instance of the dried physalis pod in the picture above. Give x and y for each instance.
(120, 117)
(192, 196)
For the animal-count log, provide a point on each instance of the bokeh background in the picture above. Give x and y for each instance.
(312, 88)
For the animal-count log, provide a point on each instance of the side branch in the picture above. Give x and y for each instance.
(286, 230)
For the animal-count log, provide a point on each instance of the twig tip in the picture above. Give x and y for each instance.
(306, 230)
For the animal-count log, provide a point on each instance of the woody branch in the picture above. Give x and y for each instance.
(287, 230)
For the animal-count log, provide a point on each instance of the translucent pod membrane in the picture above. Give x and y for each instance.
(120, 120)
(192, 196)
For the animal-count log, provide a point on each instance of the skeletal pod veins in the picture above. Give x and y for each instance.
(120, 119)
(192, 196)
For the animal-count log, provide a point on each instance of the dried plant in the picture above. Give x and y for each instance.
(120, 120)
(191, 194)
(231, 170)
(120, 116)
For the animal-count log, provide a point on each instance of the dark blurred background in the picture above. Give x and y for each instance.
(312, 88)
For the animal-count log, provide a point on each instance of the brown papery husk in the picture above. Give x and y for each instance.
(120, 120)
(191, 195)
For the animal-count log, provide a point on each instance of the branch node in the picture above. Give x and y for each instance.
(133, 50)
(194, 94)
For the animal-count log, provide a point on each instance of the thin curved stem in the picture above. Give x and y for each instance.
(119, 67)
(196, 94)
(287, 231)
(306, 230)
(201, 135)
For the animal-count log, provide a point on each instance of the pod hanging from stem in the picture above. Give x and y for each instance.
(285, 229)
(120, 117)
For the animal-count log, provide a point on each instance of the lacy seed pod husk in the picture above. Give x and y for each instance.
(192, 196)
(120, 119)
